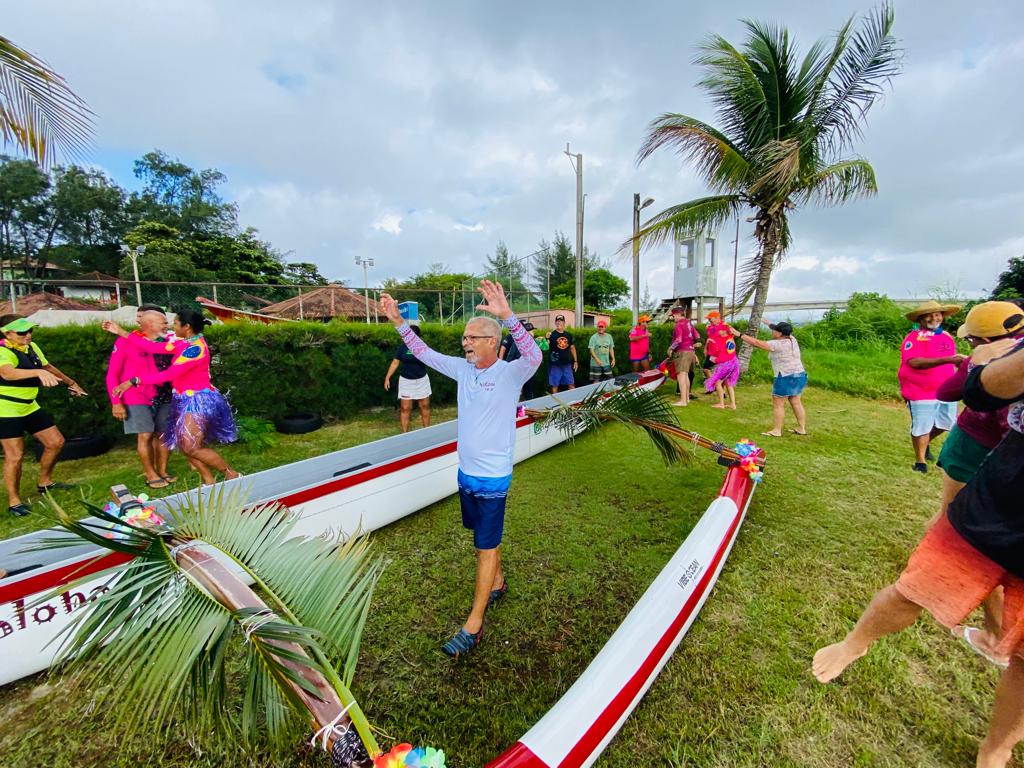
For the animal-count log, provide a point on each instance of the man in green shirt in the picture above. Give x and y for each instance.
(602, 353)
(23, 369)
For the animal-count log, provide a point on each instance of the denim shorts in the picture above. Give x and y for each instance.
(789, 386)
(482, 500)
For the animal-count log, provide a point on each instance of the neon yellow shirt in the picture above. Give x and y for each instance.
(9, 408)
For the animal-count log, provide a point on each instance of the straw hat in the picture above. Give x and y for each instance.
(932, 306)
(992, 319)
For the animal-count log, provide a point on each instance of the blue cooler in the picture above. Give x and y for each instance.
(410, 310)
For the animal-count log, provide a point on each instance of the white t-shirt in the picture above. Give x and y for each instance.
(784, 355)
(487, 400)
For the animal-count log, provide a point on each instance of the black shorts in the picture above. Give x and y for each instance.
(17, 426)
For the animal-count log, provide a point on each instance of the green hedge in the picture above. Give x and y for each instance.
(335, 369)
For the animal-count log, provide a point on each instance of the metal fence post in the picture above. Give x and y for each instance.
(215, 293)
(301, 316)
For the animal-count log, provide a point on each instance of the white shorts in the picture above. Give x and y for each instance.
(413, 389)
(928, 414)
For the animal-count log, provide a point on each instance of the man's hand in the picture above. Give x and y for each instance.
(575, 365)
(390, 308)
(735, 333)
(76, 389)
(387, 384)
(119, 412)
(47, 379)
(988, 352)
(121, 388)
(111, 327)
(494, 300)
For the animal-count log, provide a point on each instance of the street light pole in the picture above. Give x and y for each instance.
(578, 167)
(637, 207)
(368, 262)
(133, 254)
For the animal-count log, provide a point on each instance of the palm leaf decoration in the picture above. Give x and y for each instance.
(38, 110)
(637, 408)
(156, 645)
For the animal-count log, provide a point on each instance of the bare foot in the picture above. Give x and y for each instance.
(830, 661)
(718, 405)
(231, 474)
(731, 407)
(772, 434)
(680, 404)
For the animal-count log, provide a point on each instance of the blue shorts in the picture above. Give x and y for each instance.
(789, 386)
(926, 415)
(559, 374)
(483, 507)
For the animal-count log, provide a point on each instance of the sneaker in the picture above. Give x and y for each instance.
(19, 510)
(497, 594)
(462, 643)
(920, 467)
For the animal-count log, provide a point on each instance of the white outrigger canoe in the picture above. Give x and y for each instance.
(362, 488)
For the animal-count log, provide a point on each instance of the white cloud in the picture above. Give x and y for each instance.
(389, 222)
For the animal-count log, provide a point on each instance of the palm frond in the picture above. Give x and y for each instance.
(157, 641)
(635, 407)
(38, 110)
(839, 182)
(778, 163)
(707, 214)
(737, 93)
(867, 64)
(716, 159)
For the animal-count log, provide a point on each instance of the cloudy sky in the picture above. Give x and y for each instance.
(425, 132)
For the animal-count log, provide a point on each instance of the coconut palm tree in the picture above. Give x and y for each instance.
(39, 113)
(783, 128)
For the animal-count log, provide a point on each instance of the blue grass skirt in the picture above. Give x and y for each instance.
(211, 415)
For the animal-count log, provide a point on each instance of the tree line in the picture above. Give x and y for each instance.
(77, 218)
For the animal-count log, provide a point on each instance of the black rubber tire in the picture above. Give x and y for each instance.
(78, 447)
(298, 423)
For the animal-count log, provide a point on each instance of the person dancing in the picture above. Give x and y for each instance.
(199, 413)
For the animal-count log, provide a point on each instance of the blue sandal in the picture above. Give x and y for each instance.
(462, 643)
(497, 594)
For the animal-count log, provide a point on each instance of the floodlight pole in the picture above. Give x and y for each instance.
(578, 167)
(133, 254)
(637, 207)
(366, 263)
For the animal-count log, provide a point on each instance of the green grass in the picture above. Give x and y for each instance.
(589, 525)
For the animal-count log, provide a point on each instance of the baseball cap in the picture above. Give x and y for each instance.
(559, 317)
(991, 319)
(714, 313)
(643, 319)
(786, 329)
(528, 326)
(22, 324)
(602, 323)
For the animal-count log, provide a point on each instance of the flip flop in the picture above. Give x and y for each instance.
(45, 489)
(171, 479)
(971, 635)
(802, 434)
(770, 434)
(159, 482)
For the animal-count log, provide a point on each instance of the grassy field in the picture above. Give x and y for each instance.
(589, 525)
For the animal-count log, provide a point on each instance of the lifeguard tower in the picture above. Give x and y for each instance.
(695, 277)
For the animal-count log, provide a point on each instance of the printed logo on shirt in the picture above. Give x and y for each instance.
(562, 343)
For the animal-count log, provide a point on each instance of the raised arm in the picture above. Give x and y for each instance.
(446, 364)
(496, 304)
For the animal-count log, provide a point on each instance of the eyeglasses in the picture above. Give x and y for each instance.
(474, 338)
(22, 333)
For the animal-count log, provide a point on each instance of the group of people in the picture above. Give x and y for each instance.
(158, 382)
(972, 554)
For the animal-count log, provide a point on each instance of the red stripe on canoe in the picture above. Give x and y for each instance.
(735, 486)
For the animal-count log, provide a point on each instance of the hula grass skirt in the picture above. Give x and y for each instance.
(210, 413)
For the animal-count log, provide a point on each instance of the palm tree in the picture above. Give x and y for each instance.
(783, 128)
(39, 113)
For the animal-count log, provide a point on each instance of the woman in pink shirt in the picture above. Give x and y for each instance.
(640, 345)
(199, 413)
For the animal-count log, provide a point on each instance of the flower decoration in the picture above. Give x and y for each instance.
(405, 756)
(748, 463)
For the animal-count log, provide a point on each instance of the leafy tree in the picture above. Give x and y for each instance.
(25, 212)
(39, 113)
(783, 126)
(303, 273)
(502, 266)
(1011, 282)
(601, 289)
(434, 284)
(242, 258)
(89, 212)
(167, 256)
(181, 197)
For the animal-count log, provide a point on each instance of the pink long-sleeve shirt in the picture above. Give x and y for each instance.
(684, 336)
(127, 362)
(190, 369)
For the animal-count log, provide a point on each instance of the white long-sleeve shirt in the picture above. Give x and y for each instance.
(487, 399)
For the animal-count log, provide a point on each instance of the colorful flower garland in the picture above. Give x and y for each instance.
(748, 461)
(405, 756)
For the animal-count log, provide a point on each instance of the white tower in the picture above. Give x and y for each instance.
(695, 273)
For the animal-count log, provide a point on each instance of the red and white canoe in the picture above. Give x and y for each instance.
(579, 726)
(231, 315)
(357, 489)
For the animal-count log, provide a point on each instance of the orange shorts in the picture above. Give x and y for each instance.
(949, 578)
